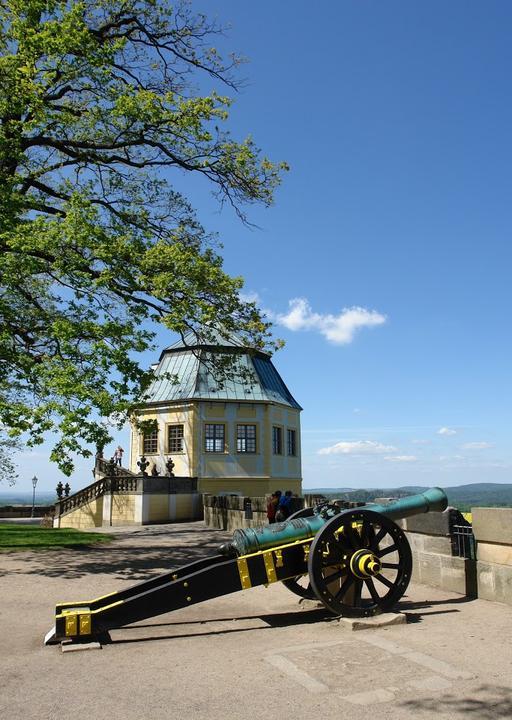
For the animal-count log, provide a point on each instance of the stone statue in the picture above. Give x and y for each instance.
(170, 467)
(143, 464)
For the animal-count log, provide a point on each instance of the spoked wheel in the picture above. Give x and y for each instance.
(301, 585)
(360, 563)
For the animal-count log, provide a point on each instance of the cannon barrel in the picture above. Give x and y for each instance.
(252, 540)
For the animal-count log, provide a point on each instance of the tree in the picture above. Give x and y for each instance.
(99, 111)
(8, 470)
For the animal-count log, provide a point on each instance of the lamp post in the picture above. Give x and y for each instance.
(34, 483)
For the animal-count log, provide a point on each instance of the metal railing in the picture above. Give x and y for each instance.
(463, 542)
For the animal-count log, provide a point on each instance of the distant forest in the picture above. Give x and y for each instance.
(12, 497)
(463, 497)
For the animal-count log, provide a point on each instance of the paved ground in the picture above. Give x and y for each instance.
(253, 653)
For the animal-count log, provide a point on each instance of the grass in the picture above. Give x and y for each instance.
(28, 537)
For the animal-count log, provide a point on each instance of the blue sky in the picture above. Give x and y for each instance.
(396, 121)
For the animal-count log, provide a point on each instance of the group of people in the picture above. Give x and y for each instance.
(279, 506)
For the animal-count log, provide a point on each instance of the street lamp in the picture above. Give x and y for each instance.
(34, 483)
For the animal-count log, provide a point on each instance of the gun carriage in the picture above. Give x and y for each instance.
(358, 563)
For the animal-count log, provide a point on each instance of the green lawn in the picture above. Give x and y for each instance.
(30, 537)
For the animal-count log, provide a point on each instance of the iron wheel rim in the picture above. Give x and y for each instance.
(329, 566)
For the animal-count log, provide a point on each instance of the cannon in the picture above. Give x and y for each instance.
(357, 562)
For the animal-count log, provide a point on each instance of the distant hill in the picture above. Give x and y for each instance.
(380, 492)
(481, 494)
(463, 496)
(25, 498)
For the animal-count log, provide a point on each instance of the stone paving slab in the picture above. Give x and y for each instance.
(251, 652)
(378, 621)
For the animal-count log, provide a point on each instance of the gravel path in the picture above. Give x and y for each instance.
(251, 652)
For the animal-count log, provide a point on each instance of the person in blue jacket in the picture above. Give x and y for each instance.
(284, 506)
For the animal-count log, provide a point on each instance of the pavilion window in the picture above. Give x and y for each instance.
(175, 438)
(246, 438)
(277, 440)
(214, 437)
(150, 442)
(291, 442)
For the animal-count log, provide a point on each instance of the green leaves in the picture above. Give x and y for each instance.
(99, 115)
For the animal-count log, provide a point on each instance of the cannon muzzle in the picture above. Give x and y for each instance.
(432, 500)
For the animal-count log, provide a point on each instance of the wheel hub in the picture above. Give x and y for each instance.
(365, 564)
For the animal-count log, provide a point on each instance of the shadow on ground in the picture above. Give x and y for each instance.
(272, 620)
(406, 605)
(135, 555)
(486, 703)
(415, 611)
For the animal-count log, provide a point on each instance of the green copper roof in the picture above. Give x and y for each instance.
(212, 339)
(186, 371)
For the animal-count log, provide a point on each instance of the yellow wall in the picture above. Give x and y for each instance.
(214, 410)
(249, 487)
(187, 506)
(174, 507)
(158, 508)
(88, 516)
(176, 415)
(123, 509)
(247, 466)
(246, 411)
(228, 471)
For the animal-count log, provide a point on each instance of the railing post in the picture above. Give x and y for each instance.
(57, 512)
(111, 476)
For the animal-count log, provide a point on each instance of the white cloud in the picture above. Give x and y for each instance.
(477, 446)
(401, 458)
(337, 329)
(446, 431)
(357, 447)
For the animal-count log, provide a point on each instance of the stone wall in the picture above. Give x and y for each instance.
(230, 512)
(433, 562)
(493, 532)
(25, 511)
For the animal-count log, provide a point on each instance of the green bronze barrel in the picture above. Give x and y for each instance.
(260, 538)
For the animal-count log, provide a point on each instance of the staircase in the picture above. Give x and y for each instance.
(112, 484)
(118, 483)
